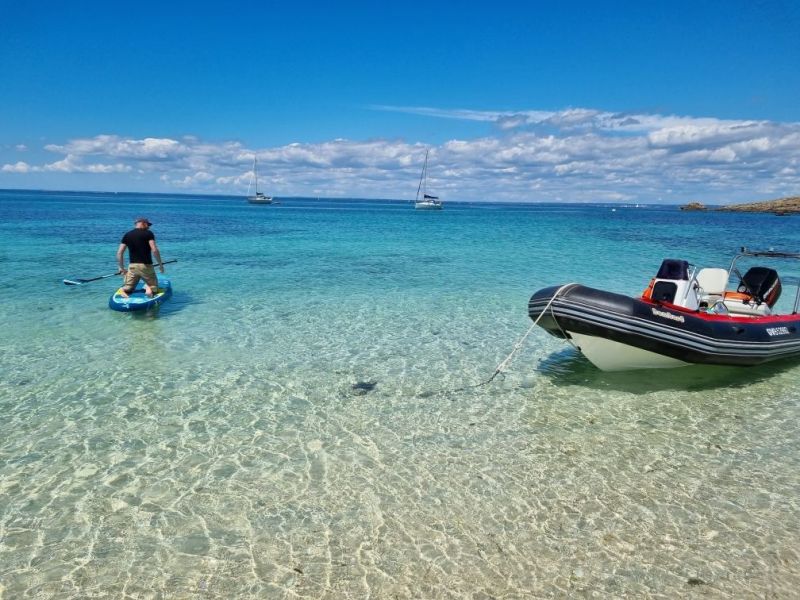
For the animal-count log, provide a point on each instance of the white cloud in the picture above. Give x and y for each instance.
(19, 167)
(466, 114)
(191, 181)
(111, 145)
(573, 154)
(569, 118)
(21, 148)
(74, 164)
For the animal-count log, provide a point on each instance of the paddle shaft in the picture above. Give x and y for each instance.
(82, 281)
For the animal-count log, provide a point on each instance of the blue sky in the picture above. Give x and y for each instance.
(573, 101)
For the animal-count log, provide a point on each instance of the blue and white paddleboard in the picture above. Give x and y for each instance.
(138, 300)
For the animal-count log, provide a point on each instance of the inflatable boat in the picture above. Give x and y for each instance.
(685, 316)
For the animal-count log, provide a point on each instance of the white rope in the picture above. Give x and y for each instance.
(517, 346)
(501, 367)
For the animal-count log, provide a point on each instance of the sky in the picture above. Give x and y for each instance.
(652, 102)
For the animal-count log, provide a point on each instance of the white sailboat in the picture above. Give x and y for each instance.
(260, 197)
(426, 202)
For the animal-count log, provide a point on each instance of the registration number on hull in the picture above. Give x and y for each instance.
(777, 331)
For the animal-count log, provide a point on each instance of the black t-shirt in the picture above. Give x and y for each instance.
(138, 243)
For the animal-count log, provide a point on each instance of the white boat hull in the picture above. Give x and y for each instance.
(608, 355)
(428, 205)
(259, 200)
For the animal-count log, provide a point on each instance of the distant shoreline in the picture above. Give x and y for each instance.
(781, 206)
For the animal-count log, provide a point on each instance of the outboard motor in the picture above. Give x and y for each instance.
(672, 284)
(763, 284)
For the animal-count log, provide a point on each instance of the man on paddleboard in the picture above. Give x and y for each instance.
(141, 245)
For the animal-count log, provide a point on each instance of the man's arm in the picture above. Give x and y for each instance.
(121, 257)
(156, 254)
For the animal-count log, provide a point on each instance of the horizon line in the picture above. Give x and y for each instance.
(367, 199)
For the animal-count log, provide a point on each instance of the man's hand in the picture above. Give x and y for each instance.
(161, 268)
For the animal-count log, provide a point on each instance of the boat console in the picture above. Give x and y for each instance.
(674, 284)
(678, 282)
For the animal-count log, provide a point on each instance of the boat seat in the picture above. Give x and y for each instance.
(742, 304)
(712, 282)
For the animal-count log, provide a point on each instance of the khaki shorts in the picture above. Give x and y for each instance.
(137, 271)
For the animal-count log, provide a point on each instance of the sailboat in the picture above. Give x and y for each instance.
(260, 197)
(427, 202)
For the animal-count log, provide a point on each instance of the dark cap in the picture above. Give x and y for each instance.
(143, 220)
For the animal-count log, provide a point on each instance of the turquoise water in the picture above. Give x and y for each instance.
(290, 423)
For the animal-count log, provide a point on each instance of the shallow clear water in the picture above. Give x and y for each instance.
(293, 423)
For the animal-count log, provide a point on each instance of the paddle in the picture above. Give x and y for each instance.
(78, 281)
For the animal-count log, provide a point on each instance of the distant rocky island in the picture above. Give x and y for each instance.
(781, 206)
(694, 206)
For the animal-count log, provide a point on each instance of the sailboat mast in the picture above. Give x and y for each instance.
(255, 171)
(425, 175)
(422, 177)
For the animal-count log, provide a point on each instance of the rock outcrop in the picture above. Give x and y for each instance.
(694, 206)
(781, 206)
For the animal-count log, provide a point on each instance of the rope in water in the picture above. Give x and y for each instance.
(507, 361)
(502, 366)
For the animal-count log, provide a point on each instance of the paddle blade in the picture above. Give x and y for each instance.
(73, 282)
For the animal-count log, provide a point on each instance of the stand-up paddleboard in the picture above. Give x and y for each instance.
(138, 300)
